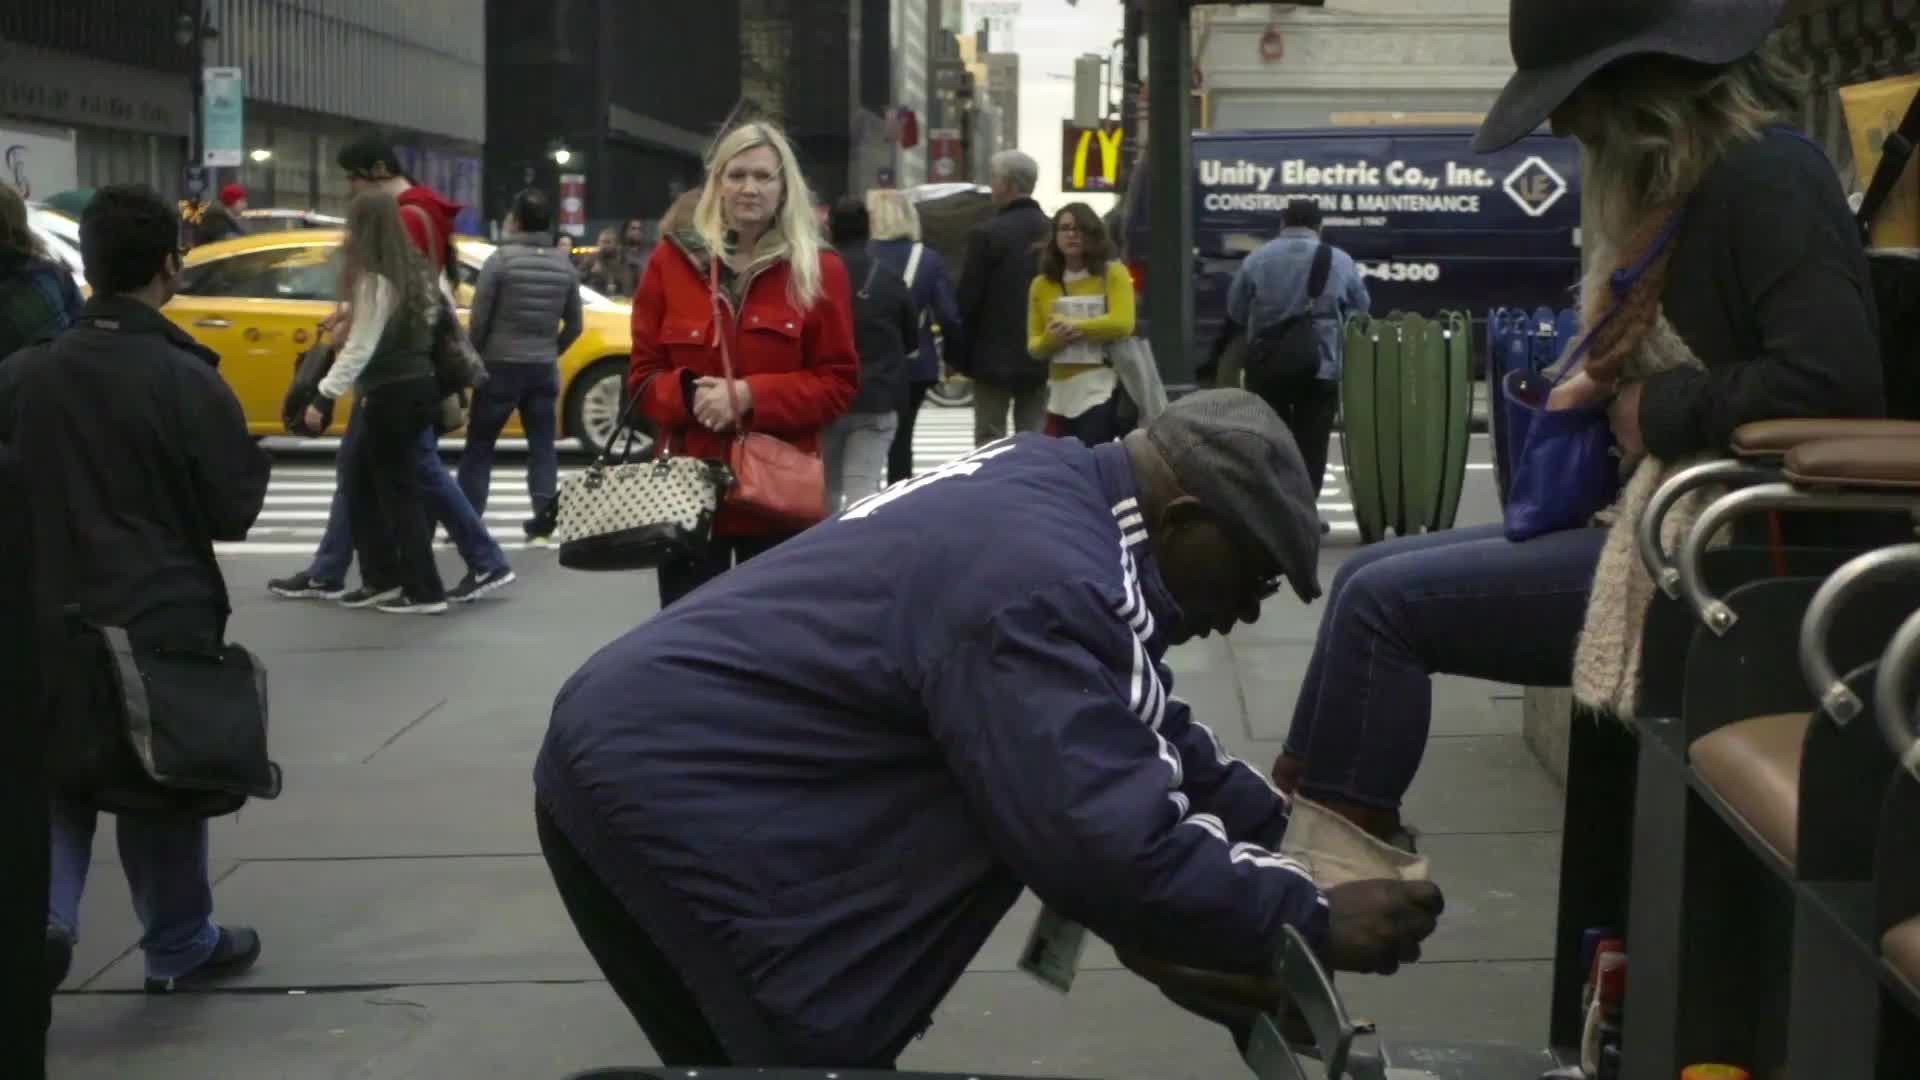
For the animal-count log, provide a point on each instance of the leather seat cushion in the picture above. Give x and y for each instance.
(1755, 766)
(1773, 438)
(1864, 464)
(1902, 948)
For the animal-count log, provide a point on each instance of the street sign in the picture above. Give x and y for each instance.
(223, 120)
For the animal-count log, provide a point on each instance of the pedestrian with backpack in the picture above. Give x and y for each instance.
(1290, 298)
(897, 243)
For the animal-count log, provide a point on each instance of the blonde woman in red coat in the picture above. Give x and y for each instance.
(794, 361)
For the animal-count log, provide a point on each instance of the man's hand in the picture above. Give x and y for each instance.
(711, 405)
(316, 423)
(1375, 926)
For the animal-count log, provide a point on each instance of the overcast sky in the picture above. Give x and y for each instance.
(1050, 34)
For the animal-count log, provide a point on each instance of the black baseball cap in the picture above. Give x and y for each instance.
(1232, 452)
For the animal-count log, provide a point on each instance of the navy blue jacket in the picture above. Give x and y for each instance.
(934, 297)
(845, 758)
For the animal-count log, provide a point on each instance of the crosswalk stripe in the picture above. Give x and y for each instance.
(300, 492)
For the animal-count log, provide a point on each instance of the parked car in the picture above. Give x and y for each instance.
(258, 301)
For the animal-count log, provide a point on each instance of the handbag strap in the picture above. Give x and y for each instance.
(723, 337)
(1895, 152)
(1621, 281)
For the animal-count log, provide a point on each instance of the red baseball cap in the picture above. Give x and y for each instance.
(231, 194)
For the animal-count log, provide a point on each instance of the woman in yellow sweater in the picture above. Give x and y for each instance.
(1081, 302)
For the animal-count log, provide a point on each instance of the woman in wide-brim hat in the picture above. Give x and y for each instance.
(1749, 300)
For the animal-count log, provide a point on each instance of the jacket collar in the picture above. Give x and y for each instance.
(1114, 470)
(125, 315)
(531, 239)
(1021, 203)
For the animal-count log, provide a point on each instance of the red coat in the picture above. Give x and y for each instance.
(803, 367)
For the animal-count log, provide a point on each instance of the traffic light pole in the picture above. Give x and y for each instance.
(1170, 259)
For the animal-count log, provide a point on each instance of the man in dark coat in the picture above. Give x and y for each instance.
(135, 458)
(1002, 259)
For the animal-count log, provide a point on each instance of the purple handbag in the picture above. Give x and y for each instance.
(1568, 469)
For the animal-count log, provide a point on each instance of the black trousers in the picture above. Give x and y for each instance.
(1308, 405)
(391, 530)
(900, 454)
(682, 576)
(635, 967)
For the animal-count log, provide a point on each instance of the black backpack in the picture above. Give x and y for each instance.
(1896, 278)
(1289, 350)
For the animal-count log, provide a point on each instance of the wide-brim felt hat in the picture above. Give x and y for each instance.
(1559, 44)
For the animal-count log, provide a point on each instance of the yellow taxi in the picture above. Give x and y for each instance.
(258, 301)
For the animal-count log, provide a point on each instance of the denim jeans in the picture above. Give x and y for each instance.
(853, 450)
(446, 505)
(165, 860)
(1462, 602)
(534, 391)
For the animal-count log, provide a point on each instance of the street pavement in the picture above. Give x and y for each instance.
(302, 487)
(411, 929)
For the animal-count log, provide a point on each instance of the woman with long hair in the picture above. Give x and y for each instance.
(1727, 284)
(37, 294)
(387, 361)
(1081, 302)
(783, 311)
(896, 242)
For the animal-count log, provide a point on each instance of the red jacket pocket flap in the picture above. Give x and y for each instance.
(784, 323)
(686, 331)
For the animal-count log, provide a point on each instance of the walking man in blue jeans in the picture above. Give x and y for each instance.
(372, 165)
(526, 313)
(326, 577)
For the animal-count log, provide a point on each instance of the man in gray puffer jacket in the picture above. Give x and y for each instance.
(526, 312)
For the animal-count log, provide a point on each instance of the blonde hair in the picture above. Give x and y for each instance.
(1652, 127)
(793, 234)
(377, 243)
(892, 215)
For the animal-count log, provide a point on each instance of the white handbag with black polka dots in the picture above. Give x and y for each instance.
(637, 514)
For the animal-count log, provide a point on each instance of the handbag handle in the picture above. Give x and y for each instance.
(626, 428)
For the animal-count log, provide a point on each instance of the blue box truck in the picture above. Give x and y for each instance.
(1432, 225)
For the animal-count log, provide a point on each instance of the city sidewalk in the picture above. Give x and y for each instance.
(411, 930)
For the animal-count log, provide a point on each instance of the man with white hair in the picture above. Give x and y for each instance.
(1002, 260)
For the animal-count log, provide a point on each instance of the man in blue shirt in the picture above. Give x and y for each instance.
(1275, 284)
(785, 814)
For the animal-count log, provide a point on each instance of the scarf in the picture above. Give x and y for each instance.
(1636, 343)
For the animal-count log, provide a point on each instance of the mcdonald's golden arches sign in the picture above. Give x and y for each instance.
(1089, 157)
